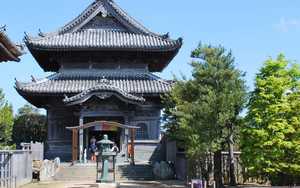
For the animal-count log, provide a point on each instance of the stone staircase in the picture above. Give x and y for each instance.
(138, 172)
(76, 172)
(124, 172)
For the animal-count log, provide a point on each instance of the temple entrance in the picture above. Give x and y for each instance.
(114, 133)
(119, 133)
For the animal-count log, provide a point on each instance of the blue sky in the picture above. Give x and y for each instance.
(254, 30)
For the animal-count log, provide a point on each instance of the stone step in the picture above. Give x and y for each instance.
(137, 172)
(67, 172)
(88, 172)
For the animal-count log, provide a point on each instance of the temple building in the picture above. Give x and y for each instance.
(103, 65)
(9, 51)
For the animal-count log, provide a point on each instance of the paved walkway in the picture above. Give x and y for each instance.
(152, 184)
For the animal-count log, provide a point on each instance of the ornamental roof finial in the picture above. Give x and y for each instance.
(18, 84)
(41, 34)
(33, 78)
(3, 28)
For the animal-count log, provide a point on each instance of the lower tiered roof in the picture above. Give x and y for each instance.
(73, 82)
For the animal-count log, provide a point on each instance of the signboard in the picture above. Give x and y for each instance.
(105, 127)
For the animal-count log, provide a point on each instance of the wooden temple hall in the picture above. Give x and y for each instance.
(103, 81)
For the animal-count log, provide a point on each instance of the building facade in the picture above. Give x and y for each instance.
(103, 63)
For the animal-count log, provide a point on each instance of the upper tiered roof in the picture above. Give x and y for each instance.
(8, 50)
(103, 26)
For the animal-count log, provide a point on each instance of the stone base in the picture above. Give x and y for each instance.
(108, 185)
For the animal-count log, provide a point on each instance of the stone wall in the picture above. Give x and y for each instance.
(16, 168)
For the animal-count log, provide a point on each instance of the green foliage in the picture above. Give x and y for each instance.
(271, 136)
(6, 120)
(27, 109)
(199, 110)
(29, 125)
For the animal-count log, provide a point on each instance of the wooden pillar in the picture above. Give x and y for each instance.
(74, 145)
(132, 146)
(87, 139)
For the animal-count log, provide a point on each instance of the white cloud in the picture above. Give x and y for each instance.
(286, 24)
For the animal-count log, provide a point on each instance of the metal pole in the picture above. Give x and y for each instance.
(114, 167)
(81, 140)
(126, 144)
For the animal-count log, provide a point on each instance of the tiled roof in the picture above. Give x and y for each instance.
(74, 82)
(104, 39)
(8, 50)
(107, 8)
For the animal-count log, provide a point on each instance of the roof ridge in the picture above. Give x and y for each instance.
(83, 15)
(158, 78)
(38, 80)
(130, 19)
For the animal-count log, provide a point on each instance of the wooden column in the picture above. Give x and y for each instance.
(74, 145)
(132, 145)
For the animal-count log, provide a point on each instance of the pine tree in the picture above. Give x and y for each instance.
(202, 112)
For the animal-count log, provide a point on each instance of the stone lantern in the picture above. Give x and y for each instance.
(105, 154)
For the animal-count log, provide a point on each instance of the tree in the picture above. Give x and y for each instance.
(201, 113)
(6, 121)
(27, 109)
(29, 125)
(271, 136)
